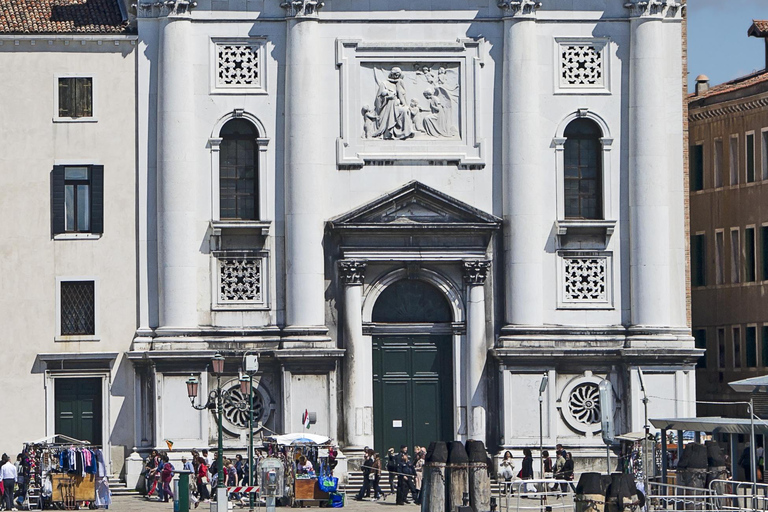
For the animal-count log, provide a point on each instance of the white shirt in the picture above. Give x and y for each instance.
(8, 471)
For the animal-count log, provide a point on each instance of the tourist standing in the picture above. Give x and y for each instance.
(365, 489)
(507, 470)
(391, 469)
(376, 472)
(8, 474)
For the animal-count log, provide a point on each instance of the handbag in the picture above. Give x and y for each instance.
(204, 480)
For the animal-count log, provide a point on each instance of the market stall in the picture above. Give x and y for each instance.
(308, 461)
(65, 473)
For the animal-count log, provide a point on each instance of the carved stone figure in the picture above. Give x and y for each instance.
(439, 122)
(393, 117)
(369, 121)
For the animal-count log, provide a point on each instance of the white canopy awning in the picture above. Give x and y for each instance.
(301, 438)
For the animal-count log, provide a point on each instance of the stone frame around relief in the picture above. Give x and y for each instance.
(355, 59)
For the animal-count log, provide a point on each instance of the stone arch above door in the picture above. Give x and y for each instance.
(450, 291)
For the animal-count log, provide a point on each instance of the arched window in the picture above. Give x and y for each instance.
(583, 168)
(411, 301)
(238, 171)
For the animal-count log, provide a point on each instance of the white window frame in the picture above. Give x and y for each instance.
(97, 316)
(717, 163)
(260, 43)
(94, 98)
(733, 160)
(754, 158)
(734, 329)
(602, 46)
(735, 256)
(217, 305)
(562, 302)
(764, 153)
(719, 256)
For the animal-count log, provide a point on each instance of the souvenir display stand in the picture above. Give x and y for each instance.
(307, 488)
(64, 473)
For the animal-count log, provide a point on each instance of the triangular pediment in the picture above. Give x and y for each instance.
(415, 204)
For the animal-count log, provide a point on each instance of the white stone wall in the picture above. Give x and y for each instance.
(32, 261)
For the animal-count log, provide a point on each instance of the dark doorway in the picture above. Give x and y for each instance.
(78, 408)
(412, 374)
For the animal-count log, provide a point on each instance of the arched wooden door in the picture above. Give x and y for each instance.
(412, 374)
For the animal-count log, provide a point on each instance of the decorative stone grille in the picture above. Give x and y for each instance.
(581, 65)
(240, 280)
(236, 408)
(585, 280)
(237, 65)
(584, 403)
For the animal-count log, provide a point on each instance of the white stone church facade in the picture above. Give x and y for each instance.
(411, 211)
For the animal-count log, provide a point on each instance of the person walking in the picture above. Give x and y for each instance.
(391, 469)
(526, 472)
(202, 479)
(567, 472)
(166, 477)
(8, 475)
(365, 489)
(559, 464)
(507, 470)
(376, 472)
(405, 473)
(418, 467)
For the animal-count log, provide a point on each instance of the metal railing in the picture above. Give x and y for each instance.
(536, 495)
(721, 495)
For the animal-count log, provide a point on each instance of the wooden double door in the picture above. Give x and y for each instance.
(412, 391)
(78, 408)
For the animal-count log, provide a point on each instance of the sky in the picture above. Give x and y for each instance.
(718, 45)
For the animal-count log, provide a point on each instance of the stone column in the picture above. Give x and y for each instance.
(305, 148)
(178, 238)
(524, 236)
(649, 211)
(358, 360)
(475, 273)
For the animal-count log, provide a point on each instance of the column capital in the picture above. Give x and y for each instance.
(654, 8)
(302, 8)
(475, 271)
(519, 7)
(171, 8)
(352, 272)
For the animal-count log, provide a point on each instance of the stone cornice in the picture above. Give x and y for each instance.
(726, 110)
(352, 272)
(519, 7)
(159, 9)
(302, 8)
(476, 271)
(657, 8)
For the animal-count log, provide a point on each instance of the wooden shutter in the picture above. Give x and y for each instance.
(65, 101)
(97, 199)
(84, 97)
(57, 199)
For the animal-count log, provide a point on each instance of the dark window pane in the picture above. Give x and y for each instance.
(764, 251)
(751, 347)
(69, 208)
(749, 249)
(77, 308)
(750, 158)
(698, 260)
(697, 167)
(238, 172)
(583, 170)
(411, 300)
(764, 345)
(736, 347)
(700, 336)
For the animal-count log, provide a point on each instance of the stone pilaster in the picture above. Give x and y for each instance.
(178, 216)
(524, 235)
(475, 274)
(307, 155)
(358, 360)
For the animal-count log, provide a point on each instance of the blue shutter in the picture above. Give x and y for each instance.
(97, 199)
(57, 199)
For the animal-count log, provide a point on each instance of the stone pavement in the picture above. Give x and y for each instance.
(141, 504)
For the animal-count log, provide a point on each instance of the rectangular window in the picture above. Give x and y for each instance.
(718, 163)
(78, 316)
(698, 260)
(764, 345)
(735, 256)
(737, 347)
(697, 167)
(77, 199)
(750, 140)
(751, 341)
(719, 258)
(749, 255)
(764, 153)
(733, 155)
(75, 97)
(721, 348)
(700, 336)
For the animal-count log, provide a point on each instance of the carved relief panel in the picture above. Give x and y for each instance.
(409, 102)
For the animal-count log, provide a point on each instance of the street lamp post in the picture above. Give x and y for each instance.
(216, 398)
(542, 389)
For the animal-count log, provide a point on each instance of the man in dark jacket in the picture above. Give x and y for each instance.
(365, 490)
(406, 472)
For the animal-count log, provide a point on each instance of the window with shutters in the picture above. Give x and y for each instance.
(76, 309)
(77, 201)
(74, 98)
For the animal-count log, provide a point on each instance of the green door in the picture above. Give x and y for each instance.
(78, 408)
(412, 391)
